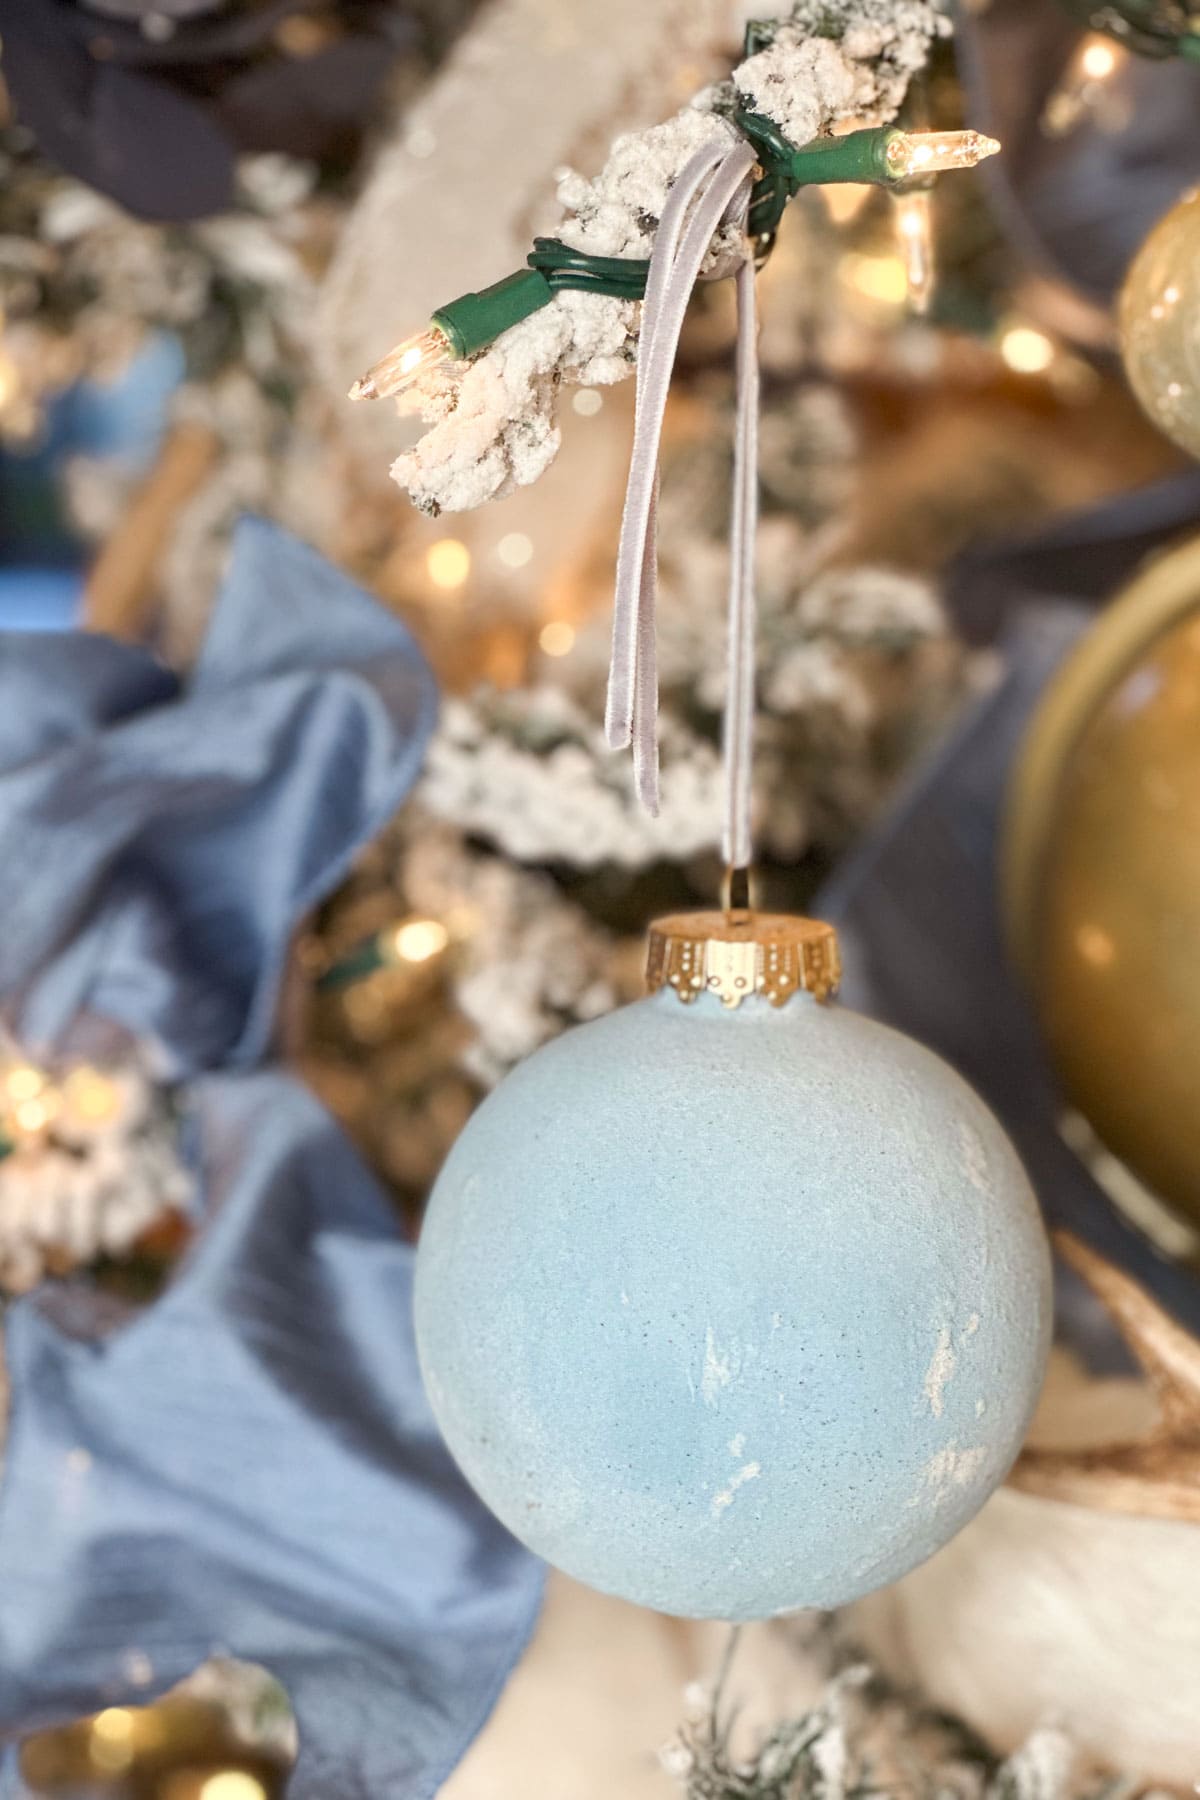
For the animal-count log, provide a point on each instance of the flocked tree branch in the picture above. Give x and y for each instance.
(492, 427)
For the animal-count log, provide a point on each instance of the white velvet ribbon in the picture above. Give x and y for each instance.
(713, 187)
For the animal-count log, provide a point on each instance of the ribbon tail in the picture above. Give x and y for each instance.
(740, 681)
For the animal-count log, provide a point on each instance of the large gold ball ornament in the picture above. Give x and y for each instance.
(1160, 323)
(1102, 877)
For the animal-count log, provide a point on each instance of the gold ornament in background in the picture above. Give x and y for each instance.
(1160, 323)
(1102, 880)
(179, 1748)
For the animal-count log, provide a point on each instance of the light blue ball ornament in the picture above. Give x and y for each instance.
(733, 1309)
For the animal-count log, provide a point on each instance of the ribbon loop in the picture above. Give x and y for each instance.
(715, 182)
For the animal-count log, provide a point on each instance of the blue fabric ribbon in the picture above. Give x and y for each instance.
(250, 1463)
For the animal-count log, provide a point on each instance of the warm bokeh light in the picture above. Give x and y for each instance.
(882, 278)
(914, 237)
(91, 1095)
(232, 1784)
(557, 637)
(515, 550)
(419, 939)
(1026, 350)
(23, 1082)
(1098, 59)
(36, 1114)
(448, 563)
(112, 1738)
(587, 402)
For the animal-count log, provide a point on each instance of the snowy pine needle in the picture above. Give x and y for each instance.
(867, 1740)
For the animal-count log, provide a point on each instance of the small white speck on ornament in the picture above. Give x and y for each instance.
(940, 1371)
(722, 1501)
(718, 1369)
(973, 1158)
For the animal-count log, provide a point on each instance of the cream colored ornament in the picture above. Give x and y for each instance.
(1075, 1595)
(1160, 323)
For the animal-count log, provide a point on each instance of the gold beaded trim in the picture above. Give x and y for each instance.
(736, 954)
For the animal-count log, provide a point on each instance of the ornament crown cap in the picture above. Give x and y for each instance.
(738, 953)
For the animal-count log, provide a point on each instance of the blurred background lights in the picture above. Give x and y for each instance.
(557, 637)
(448, 563)
(419, 939)
(1026, 350)
(232, 1784)
(515, 550)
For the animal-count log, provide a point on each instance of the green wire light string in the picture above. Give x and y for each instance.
(474, 321)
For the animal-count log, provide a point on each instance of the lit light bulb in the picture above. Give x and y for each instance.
(92, 1095)
(32, 1110)
(111, 1746)
(404, 365)
(418, 940)
(1026, 350)
(448, 563)
(232, 1784)
(1086, 89)
(1098, 59)
(934, 152)
(24, 1082)
(914, 238)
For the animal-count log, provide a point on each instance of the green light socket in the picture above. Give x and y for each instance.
(474, 321)
(859, 156)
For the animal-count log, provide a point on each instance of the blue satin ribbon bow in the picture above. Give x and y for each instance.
(249, 1464)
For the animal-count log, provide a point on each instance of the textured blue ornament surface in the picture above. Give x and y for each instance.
(733, 1313)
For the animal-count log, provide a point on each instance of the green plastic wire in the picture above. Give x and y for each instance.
(618, 277)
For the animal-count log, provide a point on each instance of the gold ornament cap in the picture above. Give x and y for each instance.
(739, 953)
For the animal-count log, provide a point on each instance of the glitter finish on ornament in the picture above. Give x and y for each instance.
(733, 1312)
(1160, 324)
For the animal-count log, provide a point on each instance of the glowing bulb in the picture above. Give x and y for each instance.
(448, 563)
(933, 152)
(232, 1784)
(404, 365)
(1085, 88)
(114, 1725)
(1026, 351)
(35, 1115)
(24, 1082)
(515, 550)
(1098, 59)
(419, 940)
(93, 1096)
(914, 237)
(557, 637)
(112, 1739)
